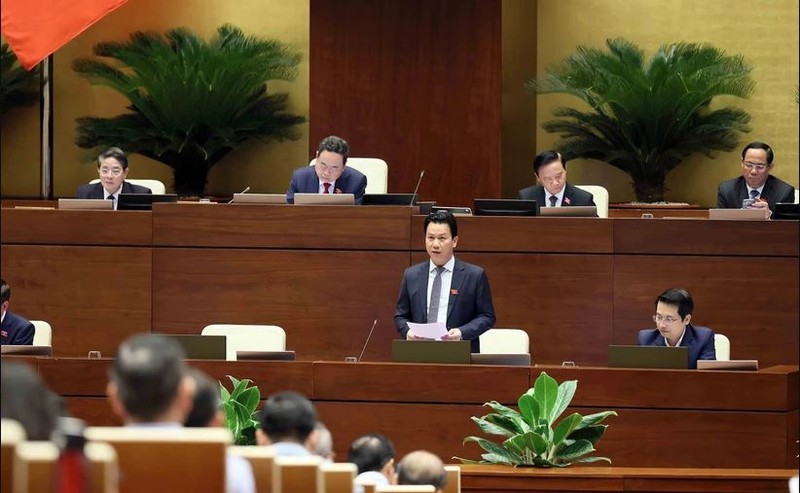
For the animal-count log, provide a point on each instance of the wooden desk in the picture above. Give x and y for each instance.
(676, 418)
(324, 274)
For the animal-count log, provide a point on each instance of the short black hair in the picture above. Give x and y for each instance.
(206, 401)
(441, 217)
(545, 158)
(147, 370)
(26, 399)
(677, 297)
(5, 291)
(760, 145)
(113, 152)
(370, 452)
(288, 416)
(334, 144)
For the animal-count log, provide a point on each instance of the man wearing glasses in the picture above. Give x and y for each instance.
(112, 166)
(673, 314)
(756, 188)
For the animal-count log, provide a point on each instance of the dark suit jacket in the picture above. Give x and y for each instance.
(731, 193)
(469, 307)
(305, 180)
(16, 330)
(95, 190)
(572, 195)
(699, 340)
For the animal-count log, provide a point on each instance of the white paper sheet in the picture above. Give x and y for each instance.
(428, 331)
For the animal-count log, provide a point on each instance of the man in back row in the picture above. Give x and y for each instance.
(112, 167)
(15, 329)
(756, 184)
(554, 191)
(330, 173)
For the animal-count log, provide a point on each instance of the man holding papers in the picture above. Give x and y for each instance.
(444, 290)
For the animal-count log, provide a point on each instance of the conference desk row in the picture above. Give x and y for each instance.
(324, 274)
(667, 418)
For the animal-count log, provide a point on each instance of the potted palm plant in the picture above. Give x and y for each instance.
(191, 101)
(18, 87)
(646, 117)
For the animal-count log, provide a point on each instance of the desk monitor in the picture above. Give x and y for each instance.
(26, 350)
(404, 351)
(570, 211)
(85, 204)
(648, 357)
(510, 359)
(786, 210)
(258, 198)
(734, 364)
(324, 199)
(505, 207)
(739, 214)
(457, 211)
(389, 199)
(266, 355)
(142, 201)
(201, 347)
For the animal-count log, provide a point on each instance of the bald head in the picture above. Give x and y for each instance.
(421, 467)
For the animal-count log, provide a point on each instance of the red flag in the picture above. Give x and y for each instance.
(36, 28)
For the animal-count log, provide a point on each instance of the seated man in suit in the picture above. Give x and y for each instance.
(673, 314)
(445, 289)
(287, 420)
(15, 329)
(373, 454)
(756, 183)
(554, 191)
(422, 467)
(329, 174)
(112, 166)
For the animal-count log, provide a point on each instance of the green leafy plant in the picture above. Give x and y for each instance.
(18, 87)
(532, 437)
(645, 118)
(191, 101)
(239, 406)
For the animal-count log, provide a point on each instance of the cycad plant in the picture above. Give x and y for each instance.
(18, 87)
(191, 101)
(646, 117)
(531, 436)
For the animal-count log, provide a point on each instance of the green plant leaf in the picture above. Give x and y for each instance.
(575, 450)
(529, 408)
(492, 428)
(493, 448)
(590, 433)
(564, 428)
(566, 391)
(545, 390)
(536, 442)
(593, 419)
(501, 409)
(250, 398)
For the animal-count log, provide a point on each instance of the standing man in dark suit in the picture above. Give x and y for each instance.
(673, 313)
(329, 174)
(112, 166)
(554, 191)
(463, 299)
(756, 183)
(14, 329)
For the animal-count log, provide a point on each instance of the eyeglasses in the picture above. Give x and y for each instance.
(668, 320)
(755, 166)
(110, 171)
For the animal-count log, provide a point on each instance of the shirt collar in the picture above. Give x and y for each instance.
(448, 267)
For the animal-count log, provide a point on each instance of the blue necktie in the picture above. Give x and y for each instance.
(753, 194)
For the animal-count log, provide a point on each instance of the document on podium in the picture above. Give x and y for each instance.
(433, 331)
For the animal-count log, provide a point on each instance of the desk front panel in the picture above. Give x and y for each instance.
(68, 227)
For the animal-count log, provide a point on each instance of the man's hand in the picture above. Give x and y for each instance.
(452, 335)
(411, 337)
(760, 204)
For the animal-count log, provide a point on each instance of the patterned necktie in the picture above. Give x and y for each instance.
(754, 194)
(327, 188)
(436, 292)
(553, 200)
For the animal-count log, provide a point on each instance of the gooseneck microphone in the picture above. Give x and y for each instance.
(419, 181)
(243, 191)
(367, 341)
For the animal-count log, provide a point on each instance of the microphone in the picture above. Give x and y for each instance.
(243, 191)
(419, 181)
(367, 341)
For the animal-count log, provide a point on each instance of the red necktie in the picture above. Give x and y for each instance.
(327, 187)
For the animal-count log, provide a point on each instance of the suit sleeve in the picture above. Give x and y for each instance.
(361, 188)
(722, 201)
(82, 192)
(292, 189)
(402, 312)
(708, 350)
(484, 310)
(24, 335)
(787, 195)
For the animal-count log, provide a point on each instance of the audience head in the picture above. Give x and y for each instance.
(422, 467)
(551, 171)
(286, 417)
(149, 382)
(673, 312)
(207, 402)
(112, 167)
(26, 399)
(331, 158)
(5, 296)
(373, 452)
(321, 441)
(756, 163)
(441, 236)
